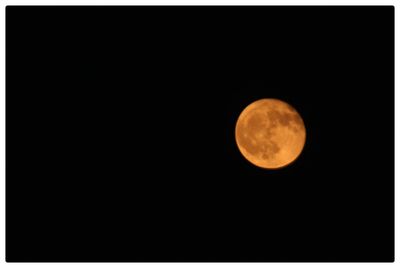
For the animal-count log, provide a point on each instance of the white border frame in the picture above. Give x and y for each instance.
(3, 4)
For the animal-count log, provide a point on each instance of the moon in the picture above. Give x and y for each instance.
(270, 133)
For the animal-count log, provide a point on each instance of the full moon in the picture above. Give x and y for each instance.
(270, 133)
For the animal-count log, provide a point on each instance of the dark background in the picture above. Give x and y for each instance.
(120, 133)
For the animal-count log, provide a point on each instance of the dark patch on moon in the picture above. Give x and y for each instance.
(270, 149)
(287, 119)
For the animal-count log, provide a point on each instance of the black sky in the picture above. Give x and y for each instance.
(120, 133)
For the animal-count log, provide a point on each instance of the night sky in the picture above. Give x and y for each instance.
(120, 126)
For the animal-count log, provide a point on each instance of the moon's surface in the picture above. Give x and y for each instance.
(270, 133)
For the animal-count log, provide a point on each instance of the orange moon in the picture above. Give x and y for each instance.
(270, 133)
